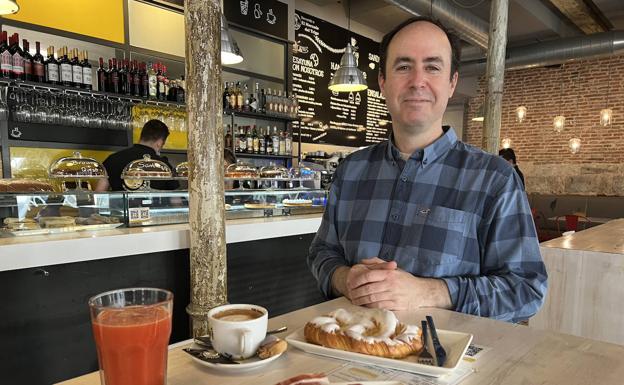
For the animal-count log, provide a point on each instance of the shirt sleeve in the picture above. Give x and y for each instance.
(513, 280)
(326, 253)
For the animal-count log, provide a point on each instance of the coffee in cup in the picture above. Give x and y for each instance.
(238, 315)
(237, 330)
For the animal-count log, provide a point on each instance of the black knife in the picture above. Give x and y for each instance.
(439, 350)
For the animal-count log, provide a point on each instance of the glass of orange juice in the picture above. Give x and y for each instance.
(131, 328)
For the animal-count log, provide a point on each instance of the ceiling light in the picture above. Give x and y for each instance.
(559, 123)
(8, 7)
(575, 145)
(605, 116)
(521, 113)
(230, 53)
(348, 77)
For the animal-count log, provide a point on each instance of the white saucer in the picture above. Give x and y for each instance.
(244, 365)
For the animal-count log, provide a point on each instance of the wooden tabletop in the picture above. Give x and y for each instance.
(606, 238)
(519, 355)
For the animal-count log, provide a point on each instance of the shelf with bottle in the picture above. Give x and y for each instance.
(252, 142)
(260, 104)
(70, 71)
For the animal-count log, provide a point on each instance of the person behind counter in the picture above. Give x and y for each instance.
(422, 219)
(153, 137)
(510, 156)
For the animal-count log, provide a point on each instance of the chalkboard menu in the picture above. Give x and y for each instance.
(346, 118)
(268, 16)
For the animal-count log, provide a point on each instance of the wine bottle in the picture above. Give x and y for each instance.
(28, 61)
(66, 68)
(38, 66)
(153, 82)
(52, 68)
(144, 81)
(87, 71)
(76, 69)
(136, 79)
(17, 57)
(113, 77)
(6, 61)
(102, 77)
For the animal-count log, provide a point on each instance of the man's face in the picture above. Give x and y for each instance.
(418, 85)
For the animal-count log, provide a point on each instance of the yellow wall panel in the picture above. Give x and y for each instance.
(155, 28)
(102, 19)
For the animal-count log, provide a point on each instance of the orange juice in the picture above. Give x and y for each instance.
(132, 345)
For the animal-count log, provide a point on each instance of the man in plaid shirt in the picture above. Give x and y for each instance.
(424, 219)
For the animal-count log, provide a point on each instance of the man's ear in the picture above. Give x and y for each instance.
(453, 83)
(381, 80)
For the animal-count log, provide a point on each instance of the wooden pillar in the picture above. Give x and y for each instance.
(495, 73)
(205, 154)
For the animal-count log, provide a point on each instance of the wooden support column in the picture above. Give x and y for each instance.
(205, 155)
(495, 74)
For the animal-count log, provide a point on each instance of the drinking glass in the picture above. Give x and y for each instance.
(131, 328)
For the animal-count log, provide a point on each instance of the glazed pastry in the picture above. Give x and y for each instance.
(375, 332)
(297, 202)
(271, 346)
(56, 222)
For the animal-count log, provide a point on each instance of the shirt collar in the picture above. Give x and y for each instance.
(429, 153)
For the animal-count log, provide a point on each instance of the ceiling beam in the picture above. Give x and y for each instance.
(548, 18)
(584, 16)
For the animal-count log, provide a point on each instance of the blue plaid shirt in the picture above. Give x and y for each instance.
(451, 211)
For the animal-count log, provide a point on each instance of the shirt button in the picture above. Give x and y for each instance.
(404, 179)
(395, 216)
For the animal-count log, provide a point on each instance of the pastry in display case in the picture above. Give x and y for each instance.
(39, 213)
(76, 169)
(138, 173)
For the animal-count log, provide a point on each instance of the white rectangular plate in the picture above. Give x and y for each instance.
(455, 344)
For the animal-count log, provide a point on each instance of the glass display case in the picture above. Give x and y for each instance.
(40, 212)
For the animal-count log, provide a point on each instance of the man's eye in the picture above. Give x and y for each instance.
(402, 68)
(433, 69)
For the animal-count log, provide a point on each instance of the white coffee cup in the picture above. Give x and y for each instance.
(238, 329)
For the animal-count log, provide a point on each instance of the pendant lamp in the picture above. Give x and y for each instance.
(506, 143)
(348, 77)
(230, 53)
(8, 7)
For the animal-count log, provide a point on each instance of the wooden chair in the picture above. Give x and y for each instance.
(572, 222)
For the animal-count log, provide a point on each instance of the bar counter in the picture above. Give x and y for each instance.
(49, 279)
(44, 250)
(585, 291)
(518, 355)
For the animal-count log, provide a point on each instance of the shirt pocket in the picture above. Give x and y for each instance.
(442, 235)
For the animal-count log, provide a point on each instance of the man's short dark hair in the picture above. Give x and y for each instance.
(452, 38)
(508, 154)
(154, 130)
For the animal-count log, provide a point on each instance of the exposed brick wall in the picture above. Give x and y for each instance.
(537, 145)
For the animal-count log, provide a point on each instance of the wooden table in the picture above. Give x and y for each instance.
(518, 355)
(585, 291)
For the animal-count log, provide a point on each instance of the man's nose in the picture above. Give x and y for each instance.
(417, 78)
